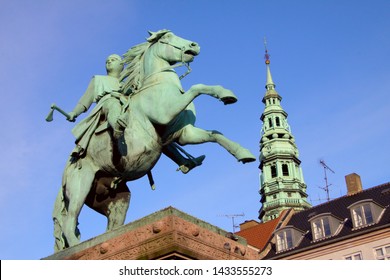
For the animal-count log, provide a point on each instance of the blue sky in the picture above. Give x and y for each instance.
(330, 62)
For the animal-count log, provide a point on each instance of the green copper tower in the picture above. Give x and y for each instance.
(281, 181)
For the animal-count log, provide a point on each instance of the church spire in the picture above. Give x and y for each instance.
(281, 181)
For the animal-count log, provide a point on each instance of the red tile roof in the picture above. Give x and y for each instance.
(258, 235)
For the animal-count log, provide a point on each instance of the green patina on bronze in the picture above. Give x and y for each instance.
(141, 112)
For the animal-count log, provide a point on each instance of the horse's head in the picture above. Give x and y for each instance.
(172, 48)
(162, 48)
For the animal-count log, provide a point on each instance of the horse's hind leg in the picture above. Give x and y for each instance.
(58, 214)
(195, 135)
(77, 182)
(117, 211)
(110, 198)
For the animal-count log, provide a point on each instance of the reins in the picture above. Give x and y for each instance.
(182, 63)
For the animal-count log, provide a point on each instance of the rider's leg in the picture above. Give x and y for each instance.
(112, 108)
(185, 164)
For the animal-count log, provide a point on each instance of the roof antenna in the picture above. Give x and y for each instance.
(233, 216)
(326, 188)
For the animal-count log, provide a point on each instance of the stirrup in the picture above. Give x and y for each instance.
(191, 164)
(117, 133)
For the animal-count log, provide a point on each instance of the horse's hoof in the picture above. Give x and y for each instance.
(227, 96)
(229, 100)
(244, 155)
(246, 160)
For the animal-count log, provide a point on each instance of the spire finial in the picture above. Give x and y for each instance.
(270, 84)
(266, 56)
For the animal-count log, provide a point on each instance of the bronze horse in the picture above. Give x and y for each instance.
(158, 112)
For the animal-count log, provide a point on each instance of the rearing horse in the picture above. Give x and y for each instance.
(158, 112)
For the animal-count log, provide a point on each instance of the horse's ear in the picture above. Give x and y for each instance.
(155, 36)
(152, 35)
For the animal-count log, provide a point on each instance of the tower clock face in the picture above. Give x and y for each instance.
(267, 149)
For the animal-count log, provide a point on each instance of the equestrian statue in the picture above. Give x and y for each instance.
(141, 112)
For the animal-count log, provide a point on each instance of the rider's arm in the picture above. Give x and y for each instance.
(85, 101)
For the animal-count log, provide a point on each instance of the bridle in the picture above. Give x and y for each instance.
(182, 63)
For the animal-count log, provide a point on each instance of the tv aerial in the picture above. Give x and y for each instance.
(233, 216)
(327, 185)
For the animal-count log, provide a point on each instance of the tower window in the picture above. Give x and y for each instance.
(270, 122)
(273, 171)
(285, 170)
(277, 121)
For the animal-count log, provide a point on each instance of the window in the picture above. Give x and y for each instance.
(273, 171)
(354, 256)
(284, 240)
(287, 238)
(270, 123)
(383, 253)
(325, 225)
(365, 212)
(285, 170)
(362, 215)
(321, 228)
(277, 121)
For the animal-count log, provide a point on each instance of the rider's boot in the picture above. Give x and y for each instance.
(119, 128)
(191, 163)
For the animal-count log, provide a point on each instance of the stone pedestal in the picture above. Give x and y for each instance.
(166, 234)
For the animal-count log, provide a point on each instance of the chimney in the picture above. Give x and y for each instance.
(354, 183)
(248, 224)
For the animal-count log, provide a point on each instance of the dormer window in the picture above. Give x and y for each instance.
(362, 215)
(287, 238)
(321, 228)
(365, 213)
(284, 240)
(325, 225)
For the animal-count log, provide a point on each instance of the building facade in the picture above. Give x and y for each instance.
(353, 227)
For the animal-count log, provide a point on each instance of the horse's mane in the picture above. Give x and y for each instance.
(133, 74)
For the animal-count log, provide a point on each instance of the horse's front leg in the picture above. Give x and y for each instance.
(165, 110)
(194, 135)
(219, 92)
